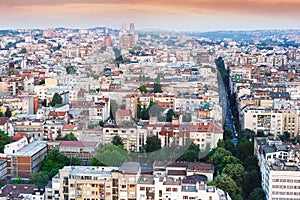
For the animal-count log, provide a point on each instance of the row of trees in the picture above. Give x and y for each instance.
(156, 88)
(236, 170)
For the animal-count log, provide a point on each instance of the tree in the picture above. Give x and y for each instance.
(1, 114)
(246, 149)
(235, 171)
(257, 193)
(96, 162)
(18, 181)
(4, 139)
(42, 82)
(157, 88)
(170, 114)
(101, 123)
(68, 137)
(111, 155)
(152, 144)
(113, 108)
(247, 133)
(53, 162)
(251, 180)
(143, 89)
(38, 178)
(117, 141)
(70, 69)
(191, 154)
(56, 99)
(7, 112)
(75, 161)
(217, 156)
(228, 185)
(227, 134)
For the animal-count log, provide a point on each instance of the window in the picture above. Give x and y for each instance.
(174, 189)
(168, 189)
(142, 188)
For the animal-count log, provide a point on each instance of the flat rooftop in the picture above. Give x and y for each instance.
(31, 148)
(90, 170)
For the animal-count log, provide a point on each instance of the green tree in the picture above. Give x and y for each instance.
(247, 133)
(143, 89)
(18, 181)
(235, 171)
(111, 155)
(56, 99)
(157, 88)
(257, 193)
(153, 143)
(217, 156)
(96, 162)
(101, 123)
(4, 139)
(113, 108)
(170, 114)
(68, 137)
(246, 149)
(38, 178)
(42, 82)
(227, 134)
(191, 154)
(7, 112)
(117, 141)
(250, 163)
(1, 114)
(251, 180)
(228, 185)
(53, 162)
(75, 161)
(70, 69)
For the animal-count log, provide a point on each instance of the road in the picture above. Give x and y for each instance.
(227, 115)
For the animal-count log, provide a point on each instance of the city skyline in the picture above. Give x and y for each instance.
(190, 15)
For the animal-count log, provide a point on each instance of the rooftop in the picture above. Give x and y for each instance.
(130, 168)
(77, 144)
(31, 148)
(13, 191)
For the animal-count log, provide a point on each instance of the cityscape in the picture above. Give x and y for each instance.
(147, 105)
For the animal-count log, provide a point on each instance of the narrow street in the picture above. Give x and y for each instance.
(227, 115)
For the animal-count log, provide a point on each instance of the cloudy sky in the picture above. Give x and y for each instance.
(194, 15)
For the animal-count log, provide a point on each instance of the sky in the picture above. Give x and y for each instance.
(178, 15)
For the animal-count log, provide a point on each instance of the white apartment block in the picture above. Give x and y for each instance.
(280, 171)
(127, 183)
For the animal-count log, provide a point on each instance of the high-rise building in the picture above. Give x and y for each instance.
(131, 28)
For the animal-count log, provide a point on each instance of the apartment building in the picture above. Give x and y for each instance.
(83, 182)
(128, 183)
(271, 121)
(28, 159)
(279, 166)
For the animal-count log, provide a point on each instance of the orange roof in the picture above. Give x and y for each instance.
(55, 114)
(18, 136)
(69, 127)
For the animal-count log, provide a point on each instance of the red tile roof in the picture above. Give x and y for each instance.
(56, 114)
(70, 127)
